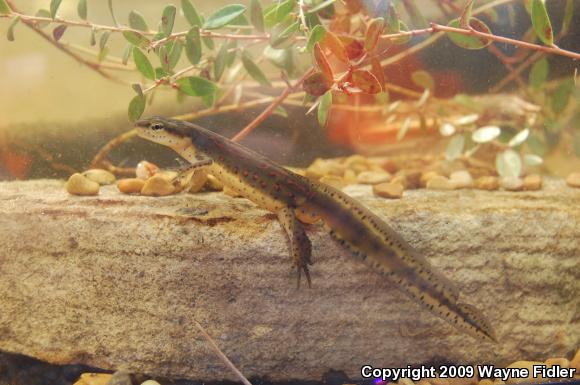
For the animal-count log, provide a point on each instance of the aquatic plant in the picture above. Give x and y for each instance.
(332, 49)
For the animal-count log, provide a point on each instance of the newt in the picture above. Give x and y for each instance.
(296, 199)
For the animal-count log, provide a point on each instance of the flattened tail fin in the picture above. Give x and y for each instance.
(479, 326)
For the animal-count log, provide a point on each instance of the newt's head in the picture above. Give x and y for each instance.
(168, 132)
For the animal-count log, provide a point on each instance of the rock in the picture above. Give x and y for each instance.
(400, 179)
(533, 182)
(440, 183)
(412, 177)
(78, 184)
(146, 170)
(461, 179)
(511, 183)
(94, 379)
(390, 166)
(157, 186)
(527, 365)
(116, 281)
(334, 181)
(485, 381)
(388, 190)
(102, 177)
(373, 177)
(489, 183)
(573, 180)
(198, 180)
(130, 185)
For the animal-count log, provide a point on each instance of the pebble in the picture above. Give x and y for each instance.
(349, 177)
(102, 177)
(400, 179)
(561, 362)
(440, 183)
(150, 382)
(489, 183)
(413, 178)
(388, 190)
(78, 184)
(527, 365)
(93, 379)
(573, 180)
(373, 177)
(157, 186)
(334, 181)
(425, 176)
(146, 170)
(198, 180)
(130, 185)
(461, 179)
(533, 182)
(512, 183)
(485, 381)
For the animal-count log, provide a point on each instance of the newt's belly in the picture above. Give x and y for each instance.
(252, 192)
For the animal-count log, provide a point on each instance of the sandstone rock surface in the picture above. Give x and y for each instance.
(114, 281)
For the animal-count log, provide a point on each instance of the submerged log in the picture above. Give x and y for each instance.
(116, 281)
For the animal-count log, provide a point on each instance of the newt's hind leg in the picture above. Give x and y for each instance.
(300, 246)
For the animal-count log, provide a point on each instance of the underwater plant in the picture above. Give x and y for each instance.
(324, 55)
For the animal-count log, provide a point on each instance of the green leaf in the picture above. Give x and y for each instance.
(43, 13)
(392, 24)
(519, 138)
(417, 18)
(58, 31)
(103, 54)
(190, 13)
(402, 39)
(126, 54)
(196, 86)
(256, 15)
(110, 3)
(136, 107)
(277, 12)
(254, 71)
(193, 45)
(168, 19)
(175, 54)
(223, 16)
(321, 6)
(508, 164)
(466, 41)
(137, 88)
(93, 41)
(568, 13)
(136, 38)
(220, 61)
(82, 9)
(278, 40)
(104, 39)
(541, 22)
(10, 32)
(324, 107)
(455, 147)
(423, 79)
(533, 160)
(539, 73)
(164, 59)
(4, 8)
(561, 96)
(137, 21)
(54, 4)
(280, 111)
(143, 64)
(232, 52)
(485, 134)
(316, 34)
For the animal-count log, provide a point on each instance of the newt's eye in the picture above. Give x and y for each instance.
(156, 126)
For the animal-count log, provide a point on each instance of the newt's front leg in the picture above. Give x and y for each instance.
(300, 246)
